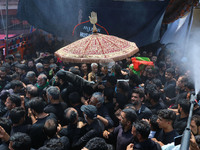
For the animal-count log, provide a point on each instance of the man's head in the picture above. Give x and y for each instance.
(31, 76)
(195, 125)
(53, 93)
(140, 131)
(89, 112)
(17, 115)
(3, 72)
(96, 143)
(71, 115)
(97, 99)
(183, 106)
(94, 67)
(166, 118)
(20, 141)
(39, 67)
(31, 91)
(128, 116)
(50, 127)
(84, 67)
(17, 86)
(74, 98)
(137, 96)
(13, 101)
(169, 74)
(21, 69)
(42, 79)
(36, 105)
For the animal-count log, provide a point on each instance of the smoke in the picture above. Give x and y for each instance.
(193, 53)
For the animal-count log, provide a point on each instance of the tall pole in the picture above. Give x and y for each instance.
(6, 27)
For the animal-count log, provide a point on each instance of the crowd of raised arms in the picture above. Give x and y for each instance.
(49, 105)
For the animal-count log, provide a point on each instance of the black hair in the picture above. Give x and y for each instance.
(197, 138)
(139, 91)
(167, 114)
(123, 85)
(135, 79)
(155, 96)
(171, 71)
(157, 82)
(16, 114)
(130, 114)
(37, 104)
(96, 143)
(15, 99)
(143, 128)
(154, 123)
(196, 118)
(161, 64)
(15, 83)
(20, 141)
(117, 69)
(185, 105)
(50, 127)
(33, 91)
(109, 93)
(6, 124)
(72, 117)
(74, 98)
(55, 144)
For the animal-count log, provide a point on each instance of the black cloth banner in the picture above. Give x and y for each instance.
(139, 22)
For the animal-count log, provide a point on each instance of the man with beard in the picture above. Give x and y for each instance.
(170, 84)
(122, 134)
(181, 120)
(140, 131)
(137, 97)
(195, 125)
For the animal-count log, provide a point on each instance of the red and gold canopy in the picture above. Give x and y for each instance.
(97, 48)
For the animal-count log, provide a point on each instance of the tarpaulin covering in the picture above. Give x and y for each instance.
(139, 22)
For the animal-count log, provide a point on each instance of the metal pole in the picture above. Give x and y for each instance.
(185, 142)
(6, 27)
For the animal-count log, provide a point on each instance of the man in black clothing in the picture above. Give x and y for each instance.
(50, 129)
(17, 116)
(165, 121)
(122, 134)
(153, 97)
(72, 119)
(11, 102)
(55, 106)
(170, 84)
(20, 141)
(137, 97)
(38, 117)
(75, 102)
(140, 131)
(97, 100)
(93, 128)
(195, 125)
(181, 120)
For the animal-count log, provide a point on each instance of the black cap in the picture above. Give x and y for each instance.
(90, 111)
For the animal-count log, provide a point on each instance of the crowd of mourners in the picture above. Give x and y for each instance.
(49, 105)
